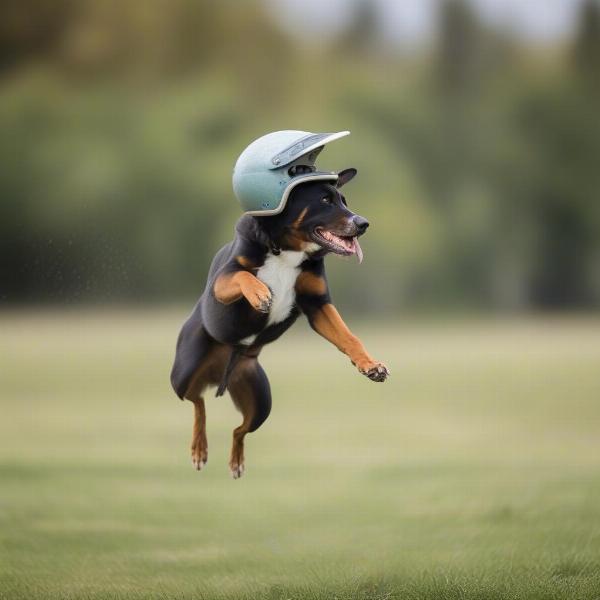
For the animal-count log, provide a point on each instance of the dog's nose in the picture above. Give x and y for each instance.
(361, 224)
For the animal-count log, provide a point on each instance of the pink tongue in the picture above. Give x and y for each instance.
(357, 250)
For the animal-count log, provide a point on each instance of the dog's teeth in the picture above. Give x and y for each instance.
(350, 245)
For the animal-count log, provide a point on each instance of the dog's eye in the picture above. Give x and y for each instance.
(327, 200)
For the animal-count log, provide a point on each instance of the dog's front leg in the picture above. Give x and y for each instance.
(326, 321)
(230, 287)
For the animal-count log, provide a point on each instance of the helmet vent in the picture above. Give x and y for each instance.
(300, 170)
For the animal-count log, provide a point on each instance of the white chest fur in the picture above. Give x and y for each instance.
(279, 272)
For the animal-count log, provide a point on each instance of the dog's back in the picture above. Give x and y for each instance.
(194, 341)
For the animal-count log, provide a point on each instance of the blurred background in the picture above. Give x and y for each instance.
(475, 131)
(473, 472)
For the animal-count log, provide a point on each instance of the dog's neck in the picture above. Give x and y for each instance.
(253, 230)
(270, 234)
(271, 230)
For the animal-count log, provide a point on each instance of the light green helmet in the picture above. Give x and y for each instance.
(271, 166)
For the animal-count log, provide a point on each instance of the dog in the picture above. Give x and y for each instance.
(257, 286)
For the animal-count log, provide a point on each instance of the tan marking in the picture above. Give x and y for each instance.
(199, 442)
(299, 220)
(209, 372)
(310, 284)
(292, 241)
(244, 399)
(230, 287)
(295, 239)
(244, 262)
(227, 288)
(328, 323)
(211, 369)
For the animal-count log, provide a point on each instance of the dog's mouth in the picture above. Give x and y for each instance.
(339, 244)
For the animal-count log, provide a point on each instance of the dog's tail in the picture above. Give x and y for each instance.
(233, 360)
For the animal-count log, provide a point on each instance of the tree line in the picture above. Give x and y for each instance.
(120, 122)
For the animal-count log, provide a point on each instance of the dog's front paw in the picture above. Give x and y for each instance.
(259, 296)
(376, 371)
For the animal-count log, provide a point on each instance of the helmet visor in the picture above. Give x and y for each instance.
(303, 146)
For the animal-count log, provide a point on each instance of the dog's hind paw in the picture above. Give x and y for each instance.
(378, 372)
(199, 459)
(198, 463)
(236, 470)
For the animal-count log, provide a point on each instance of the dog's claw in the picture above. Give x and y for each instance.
(263, 300)
(199, 462)
(378, 373)
(199, 458)
(237, 470)
(265, 305)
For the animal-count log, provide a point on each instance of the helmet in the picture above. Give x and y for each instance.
(271, 166)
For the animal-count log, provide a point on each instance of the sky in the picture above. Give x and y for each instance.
(410, 23)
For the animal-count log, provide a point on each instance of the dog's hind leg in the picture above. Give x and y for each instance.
(209, 372)
(251, 393)
(199, 442)
(193, 346)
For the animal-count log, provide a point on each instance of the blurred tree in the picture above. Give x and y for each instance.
(586, 51)
(459, 51)
(119, 124)
(559, 124)
(31, 30)
(362, 35)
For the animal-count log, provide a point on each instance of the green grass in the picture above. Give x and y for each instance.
(474, 473)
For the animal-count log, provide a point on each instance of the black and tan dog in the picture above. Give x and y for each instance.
(257, 286)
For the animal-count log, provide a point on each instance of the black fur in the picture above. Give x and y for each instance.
(253, 381)
(213, 323)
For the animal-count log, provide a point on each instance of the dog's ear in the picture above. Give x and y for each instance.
(345, 176)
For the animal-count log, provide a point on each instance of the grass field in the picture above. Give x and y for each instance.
(473, 473)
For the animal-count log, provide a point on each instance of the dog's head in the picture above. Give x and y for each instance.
(317, 219)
